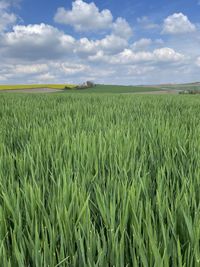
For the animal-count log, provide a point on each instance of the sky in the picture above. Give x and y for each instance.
(112, 42)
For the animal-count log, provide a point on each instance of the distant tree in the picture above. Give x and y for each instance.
(90, 84)
(67, 87)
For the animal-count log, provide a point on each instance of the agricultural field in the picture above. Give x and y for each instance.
(181, 87)
(99, 88)
(34, 86)
(99, 180)
(115, 89)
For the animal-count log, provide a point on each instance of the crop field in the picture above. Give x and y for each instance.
(115, 89)
(34, 86)
(189, 86)
(99, 180)
(97, 89)
(103, 88)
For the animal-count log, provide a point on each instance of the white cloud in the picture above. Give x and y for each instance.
(146, 23)
(110, 44)
(122, 28)
(87, 17)
(55, 71)
(7, 18)
(178, 23)
(70, 68)
(30, 69)
(36, 41)
(163, 55)
(40, 41)
(86, 47)
(167, 54)
(128, 57)
(84, 16)
(147, 44)
(100, 57)
(141, 44)
(15, 72)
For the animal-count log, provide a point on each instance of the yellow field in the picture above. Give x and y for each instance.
(34, 86)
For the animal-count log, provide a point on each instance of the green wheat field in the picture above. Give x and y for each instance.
(99, 180)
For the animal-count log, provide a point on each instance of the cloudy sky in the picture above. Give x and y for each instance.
(112, 41)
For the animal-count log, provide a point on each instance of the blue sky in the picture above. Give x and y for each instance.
(36, 11)
(123, 42)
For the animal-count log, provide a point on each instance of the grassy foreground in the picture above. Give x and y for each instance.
(99, 181)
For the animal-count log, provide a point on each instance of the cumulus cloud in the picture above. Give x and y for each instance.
(7, 18)
(122, 28)
(141, 44)
(42, 41)
(38, 41)
(164, 55)
(167, 54)
(128, 56)
(86, 47)
(84, 16)
(178, 23)
(110, 44)
(69, 68)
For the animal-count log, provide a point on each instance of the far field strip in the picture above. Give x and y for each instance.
(35, 86)
(99, 89)
(33, 90)
(50, 88)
